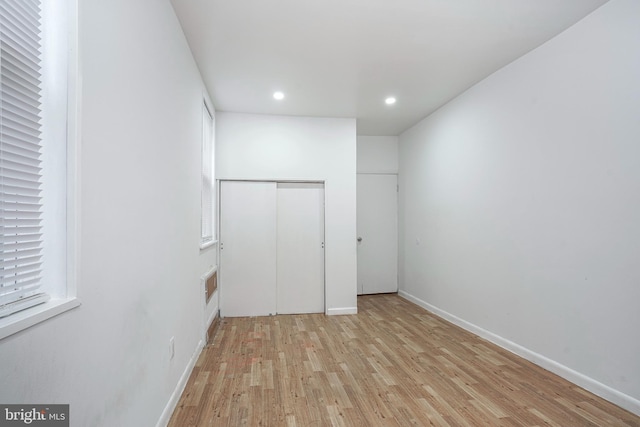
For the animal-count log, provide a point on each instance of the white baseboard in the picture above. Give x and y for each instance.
(624, 401)
(343, 310)
(212, 316)
(182, 383)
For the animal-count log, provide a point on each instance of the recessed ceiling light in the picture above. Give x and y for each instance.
(278, 95)
(390, 100)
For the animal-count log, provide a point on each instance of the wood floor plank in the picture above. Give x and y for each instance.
(392, 364)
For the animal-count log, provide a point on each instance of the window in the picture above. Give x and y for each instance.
(208, 179)
(35, 124)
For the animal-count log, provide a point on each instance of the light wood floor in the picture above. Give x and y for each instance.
(393, 364)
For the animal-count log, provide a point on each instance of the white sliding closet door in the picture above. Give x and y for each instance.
(300, 248)
(247, 248)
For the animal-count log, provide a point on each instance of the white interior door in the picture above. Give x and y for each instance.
(300, 248)
(377, 224)
(247, 248)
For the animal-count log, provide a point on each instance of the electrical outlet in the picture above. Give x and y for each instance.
(172, 347)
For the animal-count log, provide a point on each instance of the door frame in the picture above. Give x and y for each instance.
(397, 231)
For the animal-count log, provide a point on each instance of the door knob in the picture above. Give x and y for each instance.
(359, 239)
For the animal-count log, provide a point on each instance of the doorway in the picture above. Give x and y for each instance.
(377, 225)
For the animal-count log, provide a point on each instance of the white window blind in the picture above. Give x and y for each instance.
(20, 147)
(207, 175)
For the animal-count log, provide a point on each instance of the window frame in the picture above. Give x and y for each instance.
(208, 147)
(64, 295)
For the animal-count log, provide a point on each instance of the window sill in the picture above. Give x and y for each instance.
(25, 319)
(207, 244)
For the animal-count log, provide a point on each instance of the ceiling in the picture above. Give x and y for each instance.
(342, 58)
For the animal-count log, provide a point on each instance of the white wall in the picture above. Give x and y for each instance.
(377, 154)
(262, 147)
(520, 205)
(139, 261)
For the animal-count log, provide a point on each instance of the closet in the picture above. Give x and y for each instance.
(271, 248)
